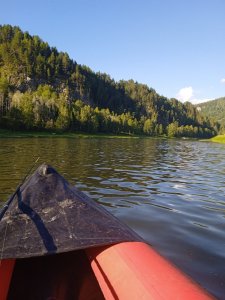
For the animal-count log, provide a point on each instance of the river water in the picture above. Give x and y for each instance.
(171, 192)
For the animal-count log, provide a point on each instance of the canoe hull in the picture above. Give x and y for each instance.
(128, 270)
(69, 247)
(6, 271)
(133, 270)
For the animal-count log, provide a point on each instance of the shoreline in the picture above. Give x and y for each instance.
(45, 134)
(218, 139)
(5, 133)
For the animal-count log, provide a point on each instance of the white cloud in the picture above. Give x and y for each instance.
(185, 94)
(189, 94)
(222, 80)
(197, 101)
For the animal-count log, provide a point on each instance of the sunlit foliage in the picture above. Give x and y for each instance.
(41, 88)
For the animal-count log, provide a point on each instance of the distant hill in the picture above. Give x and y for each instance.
(44, 89)
(214, 110)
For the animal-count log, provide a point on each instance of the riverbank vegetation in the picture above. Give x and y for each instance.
(5, 133)
(43, 89)
(219, 139)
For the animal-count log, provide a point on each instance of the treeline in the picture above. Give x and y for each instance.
(44, 109)
(215, 110)
(39, 88)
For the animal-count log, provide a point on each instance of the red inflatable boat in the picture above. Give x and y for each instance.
(56, 243)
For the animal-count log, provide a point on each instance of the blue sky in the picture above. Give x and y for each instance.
(176, 47)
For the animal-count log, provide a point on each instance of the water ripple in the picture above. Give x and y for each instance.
(171, 192)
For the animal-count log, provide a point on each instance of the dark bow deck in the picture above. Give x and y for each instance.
(49, 216)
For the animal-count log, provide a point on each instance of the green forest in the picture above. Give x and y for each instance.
(215, 110)
(43, 89)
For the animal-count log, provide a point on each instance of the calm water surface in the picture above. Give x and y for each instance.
(170, 192)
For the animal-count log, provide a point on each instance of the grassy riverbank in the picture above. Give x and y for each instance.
(43, 134)
(50, 134)
(218, 139)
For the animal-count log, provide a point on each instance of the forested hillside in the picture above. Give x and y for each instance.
(215, 110)
(43, 89)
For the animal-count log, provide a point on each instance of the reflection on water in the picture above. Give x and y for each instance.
(171, 192)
